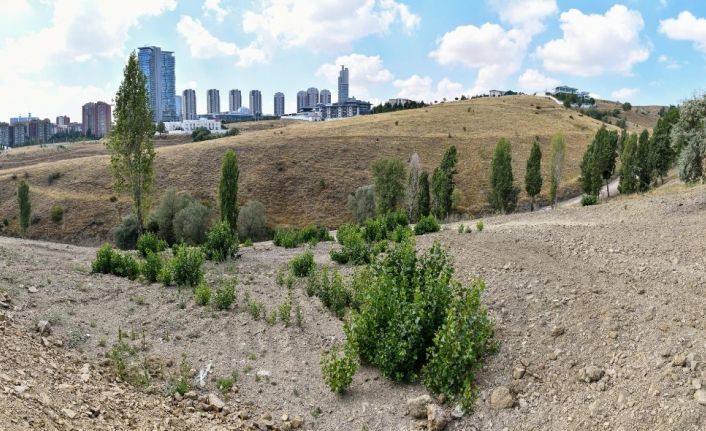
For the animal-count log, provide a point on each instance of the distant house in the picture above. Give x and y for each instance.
(496, 93)
(565, 90)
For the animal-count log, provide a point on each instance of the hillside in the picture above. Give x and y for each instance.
(301, 172)
(638, 118)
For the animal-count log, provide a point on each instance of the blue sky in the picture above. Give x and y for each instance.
(60, 54)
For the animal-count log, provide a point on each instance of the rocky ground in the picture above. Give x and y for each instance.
(600, 312)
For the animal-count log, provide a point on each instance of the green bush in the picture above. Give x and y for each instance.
(292, 238)
(151, 267)
(338, 370)
(125, 234)
(354, 248)
(479, 226)
(109, 261)
(202, 294)
(221, 243)
(426, 224)
(587, 200)
(461, 228)
(163, 217)
(191, 223)
(150, 243)
(460, 346)
(302, 265)
(186, 266)
(284, 312)
(166, 273)
(381, 228)
(57, 213)
(252, 222)
(224, 296)
(328, 286)
(104, 256)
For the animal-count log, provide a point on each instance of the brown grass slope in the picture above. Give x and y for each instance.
(303, 172)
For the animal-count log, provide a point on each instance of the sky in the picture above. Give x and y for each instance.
(56, 55)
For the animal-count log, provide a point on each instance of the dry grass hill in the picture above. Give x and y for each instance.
(301, 172)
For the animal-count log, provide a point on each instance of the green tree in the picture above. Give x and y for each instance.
(598, 164)
(389, 177)
(25, 205)
(412, 197)
(503, 193)
(533, 174)
(628, 158)
(442, 184)
(644, 167)
(688, 138)
(130, 144)
(228, 190)
(161, 128)
(556, 157)
(424, 199)
(662, 152)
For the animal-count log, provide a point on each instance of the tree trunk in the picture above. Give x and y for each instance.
(607, 187)
(531, 203)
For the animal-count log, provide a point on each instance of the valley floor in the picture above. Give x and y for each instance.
(619, 286)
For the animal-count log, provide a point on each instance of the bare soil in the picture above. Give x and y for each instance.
(618, 286)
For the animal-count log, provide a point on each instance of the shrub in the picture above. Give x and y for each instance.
(36, 218)
(150, 243)
(303, 264)
(191, 223)
(224, 296)
(103, 264)
(151, 267)
(53, 177)
(354, 247)
(256, 310)
(171, 203)
(186, 266)
(125, 234)
(181, 384)
(426, 224)
(479, 225)
(228, 189)
(166, 273)
(292, 238)
(57, 213)
(284, 312)
(201, 134)
(460, 345)
(328, 286)
(202, 294)
(389, 175)
(221, 243)
(461, 228)
(247, 243)
(362, 203)
(587, 200)
(338, 370)
(252, 223)
(124, 265)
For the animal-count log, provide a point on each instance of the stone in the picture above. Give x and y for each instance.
(43, 327)
(590, 374)
(417, 407)
(518, 373)
(501, 398)
(263, 374)
(32, 289)
(457, 412)
(216, 402)
(68, 413)
(437, 418)
(700, 397)
(558, 331)
(696, 383)
(297, 422)
(679, 360)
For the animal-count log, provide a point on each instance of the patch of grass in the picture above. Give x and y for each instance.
(202, 294)
(480, 226)
(224, 296)
(302, 265)
(256, 309)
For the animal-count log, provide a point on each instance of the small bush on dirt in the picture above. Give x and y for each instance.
(151, 267)
(125, 234)
(292, 238)
(57, 213)
(256, 309)
(461, 228)
(202, 294)
(221, 243)
(166, 273)
(186, 266)
(125, 365)
(302, 265)
(150, 243)
(354, 247)
(225, 384)
(587, 200)
(102, 264)
(284, 312)
(427, 224)
(224, 296)
(252, 222)
(53, 177)
(338, 370)
(181, 383)
(170, 204)
(328, 286)
(108, 261)
(479, 226)
(36, 218)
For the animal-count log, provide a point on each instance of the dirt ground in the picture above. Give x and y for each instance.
(618, 286)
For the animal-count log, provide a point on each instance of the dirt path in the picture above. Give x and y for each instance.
(618, 286)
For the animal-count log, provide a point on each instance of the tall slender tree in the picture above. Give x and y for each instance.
(503, 193)
(644, 167)
(131, 141)
(25, 206)
(389, 175)
(662, 151)
(688, 136)
(556, 158)
(533, 174)
(412, 196)
(424, 199)
(442, 184)
(228, 190)
(628, 159)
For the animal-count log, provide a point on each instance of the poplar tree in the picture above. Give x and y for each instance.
(25, 205)
(131, 141)
(661, 143)
(503, 193)
(228, 190)
(533, 174)
(644, 167)
(442, 184)
(556, 159)
(424, 198)
(389, 177)
(628, 158)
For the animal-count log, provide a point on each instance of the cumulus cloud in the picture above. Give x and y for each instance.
(422, 89)
(364, 71)
(532, 81)
(14, 8)
(203, 45)
(686, 27)
(213, 8)
(596, 44)
(624, 93)
(527, 14)
(325, 24)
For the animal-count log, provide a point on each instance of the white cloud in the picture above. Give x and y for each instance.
(213, 7)
(596, 44)
(685, 27)
(364, 71)
(203, 45)
(324, 24)
(527, 14)
(624, 94)
(663, 58)
(422, 89)
(532, 81)
(79, 31)
(14, 8)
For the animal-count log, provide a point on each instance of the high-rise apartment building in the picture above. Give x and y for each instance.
(325, 97)
(312, 97)
(235, 100)
(63, 120)
(302, 100)
(5, 131)
(213, 101)
(178, 103)
(97, 119)
(188, 104)
(343, 85)
(158, 67)
(19, 134)
(256, 102)
(279, 104)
